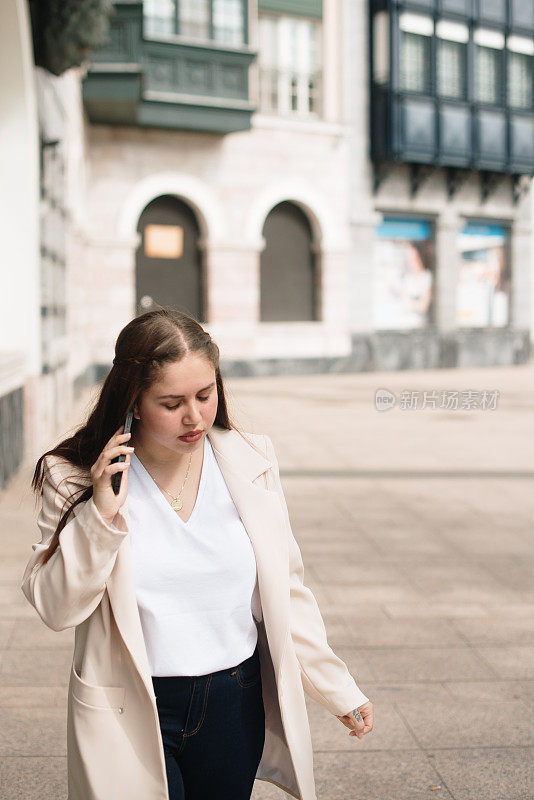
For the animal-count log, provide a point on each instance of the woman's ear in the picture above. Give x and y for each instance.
(136, 412)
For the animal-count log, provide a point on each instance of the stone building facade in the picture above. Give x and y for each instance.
(327, 186)
(268, 205)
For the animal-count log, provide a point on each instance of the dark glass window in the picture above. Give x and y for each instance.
(489, 51)
(451, 66)
(415, 62)
(520, 72)
(416, 31)
(488, 75)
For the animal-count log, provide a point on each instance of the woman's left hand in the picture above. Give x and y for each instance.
(359, 729)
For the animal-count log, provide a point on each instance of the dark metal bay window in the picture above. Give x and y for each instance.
(218, 20)
(290, 65)
(452, 85)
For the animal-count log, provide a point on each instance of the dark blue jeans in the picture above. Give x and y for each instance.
(213, 731)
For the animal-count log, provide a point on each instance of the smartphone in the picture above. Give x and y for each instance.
(116, 478)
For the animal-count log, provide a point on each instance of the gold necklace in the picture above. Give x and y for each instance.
(176, 501)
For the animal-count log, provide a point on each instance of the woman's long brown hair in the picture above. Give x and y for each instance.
(144, 347)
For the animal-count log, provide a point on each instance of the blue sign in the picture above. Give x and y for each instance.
(483, 229)
(402, 228)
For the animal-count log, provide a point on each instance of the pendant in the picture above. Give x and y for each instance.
(177, 504)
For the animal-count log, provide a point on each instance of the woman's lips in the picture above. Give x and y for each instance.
(191, 437)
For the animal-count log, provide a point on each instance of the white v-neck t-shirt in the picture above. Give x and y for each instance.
(196, 581)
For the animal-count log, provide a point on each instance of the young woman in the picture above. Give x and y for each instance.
(195, 636)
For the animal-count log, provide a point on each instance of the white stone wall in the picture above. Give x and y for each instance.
(232, 183)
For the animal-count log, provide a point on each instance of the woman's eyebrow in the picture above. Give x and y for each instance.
(177, 396)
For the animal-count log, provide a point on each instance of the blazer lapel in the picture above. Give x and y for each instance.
(262, 516)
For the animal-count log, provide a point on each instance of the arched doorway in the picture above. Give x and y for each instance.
(288, 274)
(168, 265)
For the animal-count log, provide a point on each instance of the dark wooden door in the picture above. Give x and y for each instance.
(168, 269)
(287, 267)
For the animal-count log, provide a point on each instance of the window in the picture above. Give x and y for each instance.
(452, 59)
(403, 274)
(483, 292)
(489, 46)
(159, 17)
(194, 18)
(415, 52)
(269, 58)
(290, 59)
(520, 72)
(228, 21)
(219, 20)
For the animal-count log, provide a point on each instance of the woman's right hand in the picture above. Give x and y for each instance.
(105, 499)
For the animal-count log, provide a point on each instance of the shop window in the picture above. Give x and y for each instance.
(403, 274)
(483, 291)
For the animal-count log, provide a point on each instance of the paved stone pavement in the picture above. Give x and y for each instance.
(416, 533)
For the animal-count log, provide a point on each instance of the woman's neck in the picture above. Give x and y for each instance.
(163, 461)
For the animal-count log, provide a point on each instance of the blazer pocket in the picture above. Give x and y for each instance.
(104, 697)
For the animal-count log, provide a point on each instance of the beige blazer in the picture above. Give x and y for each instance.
(114, 744)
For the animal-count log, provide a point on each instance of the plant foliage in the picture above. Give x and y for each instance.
(65, 31)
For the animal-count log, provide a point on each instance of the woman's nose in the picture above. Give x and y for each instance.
(193, 415)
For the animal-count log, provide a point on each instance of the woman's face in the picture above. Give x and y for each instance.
(183, 400)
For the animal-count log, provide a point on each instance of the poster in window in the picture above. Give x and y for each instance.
(483, 290)
(164, 241)
(403, 274)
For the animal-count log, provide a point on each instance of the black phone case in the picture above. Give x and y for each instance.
(116, 478)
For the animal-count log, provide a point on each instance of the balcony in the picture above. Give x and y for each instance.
(167, 81)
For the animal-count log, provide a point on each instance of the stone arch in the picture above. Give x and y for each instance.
(327, 232)
(184, 187)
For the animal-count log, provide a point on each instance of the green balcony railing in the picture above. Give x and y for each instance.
(167, 81)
